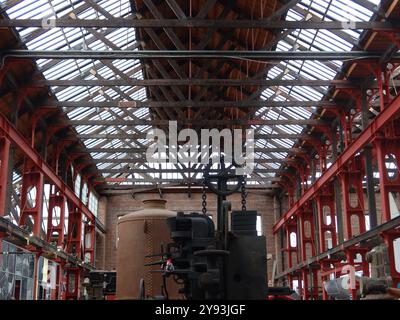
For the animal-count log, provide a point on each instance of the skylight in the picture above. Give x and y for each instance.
(54, 38)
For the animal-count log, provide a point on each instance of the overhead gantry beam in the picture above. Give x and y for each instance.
(202, 82)
(144, 160)
(164, 171)
(143, 149)
(135, 136)
(272, 56)
(197, 123)
(199, 23)
(181, 181)
(191, 103)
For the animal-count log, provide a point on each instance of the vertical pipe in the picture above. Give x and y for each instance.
(281, 235)
(11, 160)
(373, 219)
(339, 212)
(336, 187)
(314, 210)
(4, 170)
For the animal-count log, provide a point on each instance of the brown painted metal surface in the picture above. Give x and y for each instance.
(141, 233)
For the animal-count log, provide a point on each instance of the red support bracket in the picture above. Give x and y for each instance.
(56, 218)
(307, 231)
(378, 124)
(388, 155)
(326, 218)
(16, 138)
(74, 238)
(351, 178)
(31, 197)
(291, 228)
(89, 244)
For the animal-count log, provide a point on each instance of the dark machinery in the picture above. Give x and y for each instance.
(100, 284)
(216, 263)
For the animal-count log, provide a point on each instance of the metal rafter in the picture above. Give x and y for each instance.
(198, 23)
(265, 56)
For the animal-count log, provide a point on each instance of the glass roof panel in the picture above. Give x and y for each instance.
(310, 40)
(124, 39)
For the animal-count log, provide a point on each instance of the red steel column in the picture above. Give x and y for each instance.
(326, 201)
(315, 290)
(55, 229)
(305, 289)
(73, 279)
(306, 238)
(32, 185)
(351, 177)
(74, 247)
(4, 160)
(307, 234)
(61, 281)
(325, 265)
(386, 146)
(291, 227)
(89, 244)
(74, 238)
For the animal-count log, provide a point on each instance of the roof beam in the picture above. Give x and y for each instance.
(196, 123)
(193, 104)
(200, 23)
(191, 54)
(173, 188)
(144, 160)
(156, 170)
(180, 181)
(143, 149)
(143, 136)
(199, 82)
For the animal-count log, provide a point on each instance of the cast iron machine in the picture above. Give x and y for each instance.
(216, 262)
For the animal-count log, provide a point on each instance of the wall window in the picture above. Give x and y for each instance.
(93, 203)
(84, 196)
(16, 273)
(77, 185)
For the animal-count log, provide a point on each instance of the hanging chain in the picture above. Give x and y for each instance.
(244, 194)
(204, 198)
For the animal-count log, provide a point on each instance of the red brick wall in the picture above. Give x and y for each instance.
(123, 204)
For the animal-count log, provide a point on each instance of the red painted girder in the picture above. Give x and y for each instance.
(365, 137)
(16, 138)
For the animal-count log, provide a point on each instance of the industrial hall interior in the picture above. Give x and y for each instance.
(199, 150)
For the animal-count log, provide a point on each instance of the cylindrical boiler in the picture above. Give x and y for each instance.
(141, 233)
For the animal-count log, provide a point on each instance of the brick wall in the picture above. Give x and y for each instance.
(266, 205)
(100, 254)
(123, 204)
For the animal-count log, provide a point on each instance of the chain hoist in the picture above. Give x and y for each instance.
(204, 198)
(243, 194)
